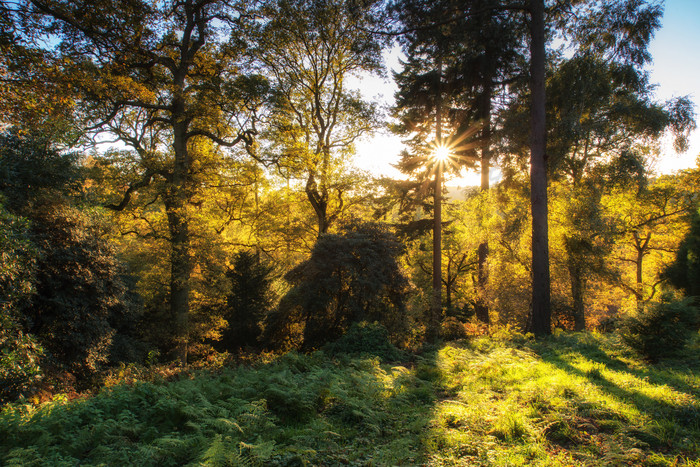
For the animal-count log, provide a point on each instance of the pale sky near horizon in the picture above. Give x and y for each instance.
(675, 69)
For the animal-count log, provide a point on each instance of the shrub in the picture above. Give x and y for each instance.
(350, 277)
(19, 360)
(452, 329)
(661, 329)
(365, 339)
(81, 298)
(684, 272)
(19, 351)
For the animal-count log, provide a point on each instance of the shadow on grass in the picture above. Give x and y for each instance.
(670, 419)
(663, 373)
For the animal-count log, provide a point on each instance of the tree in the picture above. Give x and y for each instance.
(78, 293)
(651, 223)
(249, 301)
(616, 33)
(350, 277)
(582, 238)
(684, 272)
(166, 80)
(309, 49)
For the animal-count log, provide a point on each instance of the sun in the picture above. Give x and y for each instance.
(442, 153)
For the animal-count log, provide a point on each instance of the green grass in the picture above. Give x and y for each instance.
(573, 399)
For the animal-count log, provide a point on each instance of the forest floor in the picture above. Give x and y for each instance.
(572, 399)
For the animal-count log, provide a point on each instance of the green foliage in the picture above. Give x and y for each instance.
(81, 297)
(250, 299)
(31, 170)
(684, 272)
(661, 329)
(452, 329)
(19, 352)
(350, 277)
(571, 399)
(297, 410)
(18, 256)
(365, 339)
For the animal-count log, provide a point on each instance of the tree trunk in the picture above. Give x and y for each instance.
(481, 308)
(180, 261)
(436, 305)
(319, 203)
(641, 246)
(577, 283)
(448, 289)
(540, 318)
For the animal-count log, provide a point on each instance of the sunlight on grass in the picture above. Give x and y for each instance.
(546, 404)
(568, 400)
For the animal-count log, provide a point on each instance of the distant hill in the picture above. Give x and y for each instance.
(460, 193)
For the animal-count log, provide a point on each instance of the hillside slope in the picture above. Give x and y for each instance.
(568, 400)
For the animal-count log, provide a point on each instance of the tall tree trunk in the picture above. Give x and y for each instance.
(481, 308)
(540, 318)
(180, 261)
(448, 286)
(436, 304)
(641, 246)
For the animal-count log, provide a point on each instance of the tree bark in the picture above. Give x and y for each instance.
(540, 318)
(180, 271)
(481, 309)
(641, 246)
(436, 305)
(319, 203)
(577, 284)
(176, 200)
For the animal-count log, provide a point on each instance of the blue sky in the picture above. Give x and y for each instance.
(675, 69)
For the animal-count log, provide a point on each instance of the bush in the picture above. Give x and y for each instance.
(452, 329)
(351, 277)
(661, 329)
(364, 339)
(81, 297)
(19, 351)
(19, 360)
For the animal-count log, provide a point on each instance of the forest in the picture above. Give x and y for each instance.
(195, 270)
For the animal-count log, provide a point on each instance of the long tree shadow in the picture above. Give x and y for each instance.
(662, 374)
(685, 413)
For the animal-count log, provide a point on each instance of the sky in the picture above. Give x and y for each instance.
(675, 70)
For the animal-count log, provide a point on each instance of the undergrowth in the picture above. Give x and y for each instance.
(573, 399)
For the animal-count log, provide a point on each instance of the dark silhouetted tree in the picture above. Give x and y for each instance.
(350, 277)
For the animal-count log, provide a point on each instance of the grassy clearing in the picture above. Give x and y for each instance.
(569, 400)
